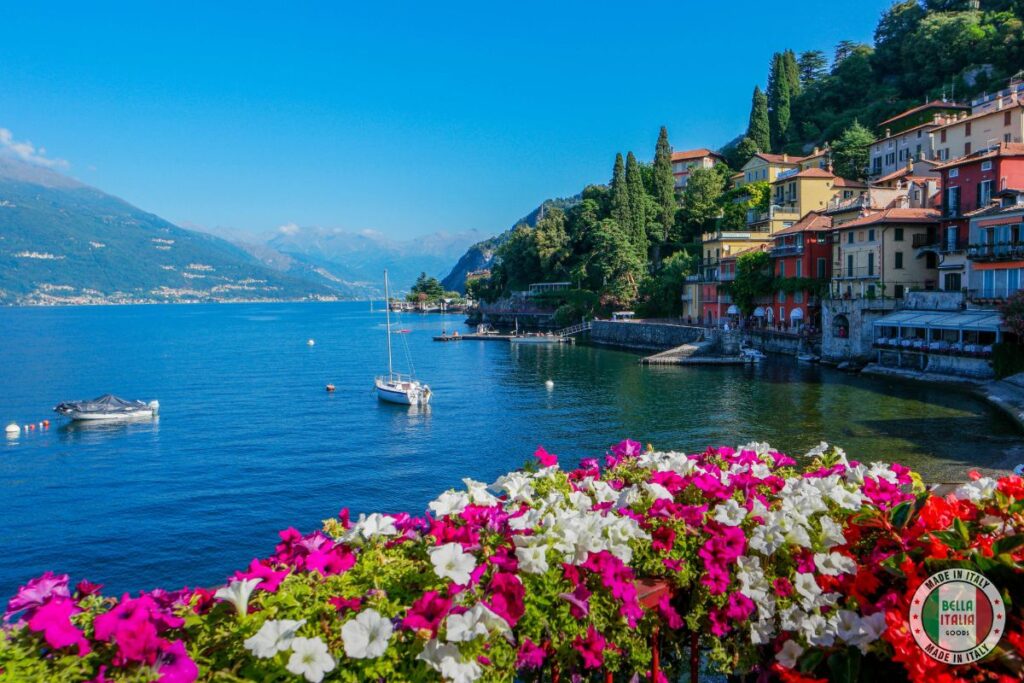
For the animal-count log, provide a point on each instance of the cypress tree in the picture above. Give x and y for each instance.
(758, 128)
(637, 207)
(664, 186)
(778, 102)
(620, 194)
(792, 72)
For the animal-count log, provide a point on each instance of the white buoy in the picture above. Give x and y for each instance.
(12, 430)
(310, 342)
(549, 384)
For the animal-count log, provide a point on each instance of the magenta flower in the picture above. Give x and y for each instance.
(783, 587)
(506, 599)
(87, 588)
(579, 601)
(174, 664)
(345, 604)
(53, 620)
(269, 579)
(663, 539)
(668, 613)
(546, 459)
(531, 655)
(38, 591)
(739, 607)
(427, 613)
(719, 623)
(591, 648)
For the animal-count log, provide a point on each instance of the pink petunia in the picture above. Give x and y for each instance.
(427, 613)
(174, 665)
(591, 648)
(546, 459)
(269, 579)
(668, 613)
(506, 597)
(38, 591)
(739, 607)
(579, 601)
(53, 620)
(530, 656)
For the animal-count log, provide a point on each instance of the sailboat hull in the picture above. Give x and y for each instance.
(415, 394)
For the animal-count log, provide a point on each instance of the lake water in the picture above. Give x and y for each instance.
(248, 442)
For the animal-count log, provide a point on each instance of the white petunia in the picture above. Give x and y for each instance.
(831, 532)
(517, 485)
(478, 621)
(977, 490)
(658, 492)
(237, 593)
(807, 587)
(834, 564)
(478, 492)
(449, 503)
(377, 524)
(434, 652)
(460, 671)
(789, 654)
(310, 659)
(450, 562)
(274, 636)
(532, 559)
(366, 636)
(817, 630)
(730, 513)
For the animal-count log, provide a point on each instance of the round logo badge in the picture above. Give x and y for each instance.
(957, 616)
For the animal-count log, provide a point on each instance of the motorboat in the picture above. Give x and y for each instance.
(807, 357)
(752, 355)
(395, 387)
(107, 407)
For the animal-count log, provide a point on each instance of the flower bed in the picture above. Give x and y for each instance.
(795, 574)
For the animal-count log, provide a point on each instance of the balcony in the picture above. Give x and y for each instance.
(788, 250)
(999, 251)
(858, 202)
(921, 241)
(856, 273)
(782, 211)
(734, 235)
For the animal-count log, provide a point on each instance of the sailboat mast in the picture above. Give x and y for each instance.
(387, 311)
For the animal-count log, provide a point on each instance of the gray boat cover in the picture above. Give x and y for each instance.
(107, 403)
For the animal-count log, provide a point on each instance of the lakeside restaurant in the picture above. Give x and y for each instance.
(919, 339)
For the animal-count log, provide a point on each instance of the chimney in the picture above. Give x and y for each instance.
(888, 133)
(785, 157)
(816, 152)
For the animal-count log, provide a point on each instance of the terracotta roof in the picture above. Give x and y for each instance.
(814, 221)
(893, 216)
(934, 104)
(688, 154)
(903, 132)
(778, 158)
(846, 182)
(1005, 149)
(735, 255)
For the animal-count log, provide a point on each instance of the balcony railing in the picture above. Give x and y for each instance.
(786, 210)
(999, 251)
(858, 202)
(787, 250)
(856, 273)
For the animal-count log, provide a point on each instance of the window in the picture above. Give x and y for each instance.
(821, 267)
(942, 135)
(897, 235)
(919, 134)
(986, 165)
(984, 193)
(1006, 118)
(782, 269)
(953, 201)
(871, 235)
(954, 173)
(798, 297)
(967, 128)
(871, 263)
(782, 299)
(951, 283)
(849, 265)
(988, 283)
(849, 237)
(917, 152)
(782, 313)
(1007, 137)
(897, 291)
(890, 158)
(899, 260)
(1012, 280)
(967, 148)
(799, 269)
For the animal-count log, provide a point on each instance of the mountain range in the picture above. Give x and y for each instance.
(64, 242)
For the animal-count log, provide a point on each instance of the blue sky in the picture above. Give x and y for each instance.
(402, 117)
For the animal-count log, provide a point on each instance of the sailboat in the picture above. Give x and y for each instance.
(395, 387)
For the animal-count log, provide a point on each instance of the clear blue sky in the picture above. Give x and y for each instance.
(405, 117)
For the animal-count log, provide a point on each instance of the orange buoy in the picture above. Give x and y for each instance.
(46, 424)
(330, 388)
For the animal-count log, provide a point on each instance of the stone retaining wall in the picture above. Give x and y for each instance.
(643, 336)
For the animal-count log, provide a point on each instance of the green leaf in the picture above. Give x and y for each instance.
(810, 660)
(900, 514)
(950, 538)
(962, 529)
(845, 666)
(1008, 544)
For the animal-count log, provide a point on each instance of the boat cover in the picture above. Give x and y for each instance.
(107, 403)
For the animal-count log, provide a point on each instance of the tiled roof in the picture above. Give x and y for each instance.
(846, 182)
(812, 222)
(689, 154)
(934, 104)
(779, 158)
(896, 215)
(1005, 149)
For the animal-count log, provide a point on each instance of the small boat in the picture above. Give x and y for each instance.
(484, 328)
(805, 357)
(752, 355)
(536, 339)
(107, 407)
(395, 387)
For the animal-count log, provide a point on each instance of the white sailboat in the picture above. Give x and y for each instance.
(395, 387)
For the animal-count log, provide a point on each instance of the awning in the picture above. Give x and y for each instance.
(797, 314)
(733, 310)
(758, 312)
(979, 320)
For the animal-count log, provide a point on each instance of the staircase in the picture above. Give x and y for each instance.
(575, 329)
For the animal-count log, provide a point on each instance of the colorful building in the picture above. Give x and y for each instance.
(905, 137)
(995, 249)
(684, 163)
(802, 251)
(873, 255)
(969, 184)
(994, 119)
(764, 167)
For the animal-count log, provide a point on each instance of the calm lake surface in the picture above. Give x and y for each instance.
(248, 442)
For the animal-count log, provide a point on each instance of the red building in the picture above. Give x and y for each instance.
(971, 183)
(801, 251)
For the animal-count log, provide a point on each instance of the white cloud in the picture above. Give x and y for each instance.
(288, 229)
(26, 151)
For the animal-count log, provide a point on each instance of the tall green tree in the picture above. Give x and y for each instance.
(520, 262)
(792, 72)
(813, 66)
(753, 280)
(620, 193)
(659, 294)
(615, 263)
(637, 207)
(553, 246)
(664, 192)
(758, 127)
(701, 200)
(778, 101)
(844, 48)
(850, 152)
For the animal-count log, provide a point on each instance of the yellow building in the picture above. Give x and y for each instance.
(763, 167)
(994, 119)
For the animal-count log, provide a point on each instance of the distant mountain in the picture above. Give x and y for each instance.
(481, 255)
(359, 258)
(62, 241)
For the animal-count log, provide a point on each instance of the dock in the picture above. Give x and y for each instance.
(472, 337)
(691, 354)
